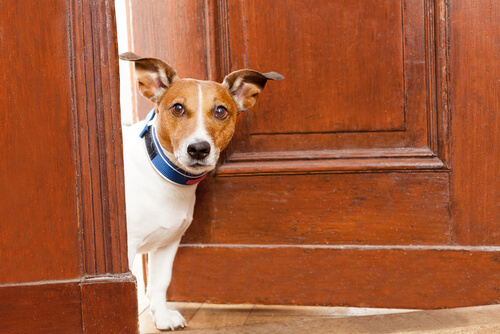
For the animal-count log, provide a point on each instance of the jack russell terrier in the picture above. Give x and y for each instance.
(166, 155)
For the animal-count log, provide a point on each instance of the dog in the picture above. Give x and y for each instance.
(167, 154)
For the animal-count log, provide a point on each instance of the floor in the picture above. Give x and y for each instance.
(213, 316)
(252, 319)
(273, 319)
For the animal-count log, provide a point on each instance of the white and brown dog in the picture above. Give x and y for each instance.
(166, 155)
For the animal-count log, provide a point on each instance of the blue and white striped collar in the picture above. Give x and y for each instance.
(159, 160)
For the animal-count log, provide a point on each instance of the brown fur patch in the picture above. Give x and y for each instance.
(173, 129)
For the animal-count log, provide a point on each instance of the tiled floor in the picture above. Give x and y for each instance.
(256, 319)
(209, 316)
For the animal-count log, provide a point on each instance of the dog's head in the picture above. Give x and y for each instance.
(196, 119)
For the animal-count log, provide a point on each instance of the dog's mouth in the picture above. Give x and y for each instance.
(197, 165)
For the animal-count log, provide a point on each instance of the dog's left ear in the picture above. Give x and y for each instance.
(154, 76)
(246, 85)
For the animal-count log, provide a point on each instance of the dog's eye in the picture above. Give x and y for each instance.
(221, 113)
(178, 109)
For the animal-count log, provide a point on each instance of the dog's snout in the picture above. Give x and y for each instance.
(199, 150)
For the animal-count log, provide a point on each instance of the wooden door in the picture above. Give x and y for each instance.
(368, 176)
(63, 255)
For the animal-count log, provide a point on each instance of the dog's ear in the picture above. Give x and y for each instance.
(246, 85)
(154, 76)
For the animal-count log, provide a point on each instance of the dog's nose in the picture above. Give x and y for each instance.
(199, 150)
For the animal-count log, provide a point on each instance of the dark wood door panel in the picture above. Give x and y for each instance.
(327, 48)
(373, 208)
(367, 277)
(358, 77)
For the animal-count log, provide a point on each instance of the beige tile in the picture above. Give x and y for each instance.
(278, 319)
(219, 315)
(207, 316)
(274, 310)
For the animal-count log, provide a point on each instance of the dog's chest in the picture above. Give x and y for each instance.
(160, 236)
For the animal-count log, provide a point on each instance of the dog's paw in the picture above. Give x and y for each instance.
(165, 319)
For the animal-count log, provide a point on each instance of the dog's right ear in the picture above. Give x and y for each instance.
(154, 76)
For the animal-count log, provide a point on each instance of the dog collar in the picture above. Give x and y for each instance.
(159, 160)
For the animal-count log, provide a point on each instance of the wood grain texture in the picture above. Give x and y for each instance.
(309, 166)
(63, 210)
(98, 147)
(109, 304)
(475, 64)
(41, 308)
(105, 304)
(37, 168)
(329, 64)
(376, 209)
(299, 114)
(177, 32)
(395, 278)
(297, 173)
(441, 81)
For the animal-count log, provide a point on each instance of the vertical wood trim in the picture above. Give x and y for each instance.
(211, 17)
(442, 73)
(228, 12)
(430, 77)
(437, 77)
(225, 50)
(225, 66)
(98, 143)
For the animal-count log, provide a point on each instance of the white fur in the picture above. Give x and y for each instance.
(158, 214)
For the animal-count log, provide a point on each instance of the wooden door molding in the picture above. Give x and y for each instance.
(63, 252)
(98, 140)
(418, 143)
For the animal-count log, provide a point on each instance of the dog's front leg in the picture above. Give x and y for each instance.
(159, 276)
